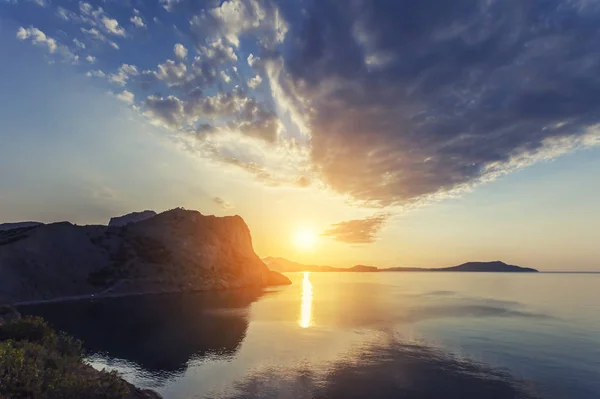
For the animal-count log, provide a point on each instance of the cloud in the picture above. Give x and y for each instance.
(95, 34)
(124, 73)
(226, 78)
(180, 51)
(37, 37)
(66, 15)
(262, 19)
(358, 231)
(255, 82)
(112, 26)
(171, 72)
(79, 44)
(167, 112)
(222, 203)
(386, 102)
(96, 73)
(126, 96)
(137, 21)
(218, 52)
(90, 59)
(405, 103)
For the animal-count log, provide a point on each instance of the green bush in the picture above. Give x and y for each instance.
(38, 363)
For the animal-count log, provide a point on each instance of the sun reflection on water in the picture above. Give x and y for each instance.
(306, 308)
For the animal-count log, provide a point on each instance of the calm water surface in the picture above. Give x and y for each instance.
(352, 335)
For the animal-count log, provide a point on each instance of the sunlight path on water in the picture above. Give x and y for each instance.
(306, 308)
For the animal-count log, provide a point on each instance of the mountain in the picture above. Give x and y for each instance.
(495, 266)
(133, 217)
(18, 225)
(287, 266)
(177, 250)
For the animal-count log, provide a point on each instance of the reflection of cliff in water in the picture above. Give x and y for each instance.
(159, 333)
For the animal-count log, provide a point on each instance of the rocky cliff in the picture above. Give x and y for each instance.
(177, 250)
(133, 217)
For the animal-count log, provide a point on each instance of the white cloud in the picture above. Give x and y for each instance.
(124, 73)
(137, 21)
(91, 59)
(168, 4)
(255, 82)
(96, 73)
(66, 15)
(112, 26)
(226, 78)
(252, 59)
(79, 44)
(126, 96)
(41, 3)
(98, 36)
(240, 16)
(180, 51)
(219, 51)
(171, 72)
(37, 37)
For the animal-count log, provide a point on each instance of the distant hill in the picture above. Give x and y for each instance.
(288, 266)
(495, 266)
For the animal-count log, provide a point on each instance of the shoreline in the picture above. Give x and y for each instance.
(89, 297)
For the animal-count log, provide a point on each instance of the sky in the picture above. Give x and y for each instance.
(390, 133)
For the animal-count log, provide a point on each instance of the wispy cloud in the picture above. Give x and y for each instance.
(358, 231)
(222, 203)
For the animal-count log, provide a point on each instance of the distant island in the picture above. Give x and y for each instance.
(494, 266)
(287, 266)
(142, 253)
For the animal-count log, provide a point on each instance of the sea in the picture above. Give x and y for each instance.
(354, 335)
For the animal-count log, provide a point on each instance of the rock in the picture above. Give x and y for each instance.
(174, 251)
(19, 225)
(133, 217)
(276, 278)
(144, 394)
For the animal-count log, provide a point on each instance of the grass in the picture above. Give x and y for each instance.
(38, 363)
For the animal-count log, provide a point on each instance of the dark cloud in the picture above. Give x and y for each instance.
(359, 231)
(410, 99)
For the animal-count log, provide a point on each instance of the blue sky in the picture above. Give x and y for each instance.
(408, 134)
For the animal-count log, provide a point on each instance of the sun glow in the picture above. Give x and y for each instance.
(306, 307)
(305, 239)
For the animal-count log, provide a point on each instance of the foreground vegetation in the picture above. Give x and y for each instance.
(37, 362)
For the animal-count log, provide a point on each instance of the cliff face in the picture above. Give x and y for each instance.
(131, 218)
(177, 250)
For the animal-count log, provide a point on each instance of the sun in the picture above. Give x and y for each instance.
(305, 239)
